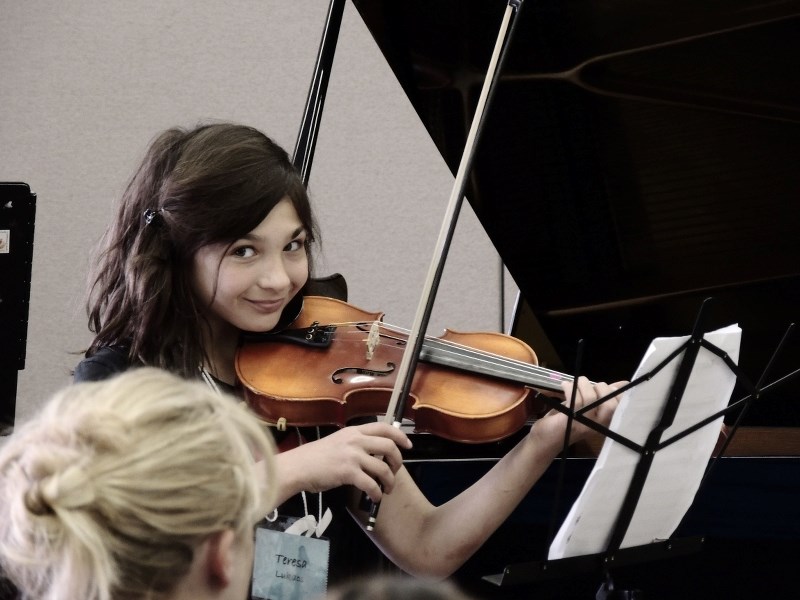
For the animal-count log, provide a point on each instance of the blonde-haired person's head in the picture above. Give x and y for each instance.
(119, 488)
(396, 587)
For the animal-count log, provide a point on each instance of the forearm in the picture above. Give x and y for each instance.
(288, 469)
(435, 541)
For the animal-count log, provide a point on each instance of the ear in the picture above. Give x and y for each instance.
(219, 558)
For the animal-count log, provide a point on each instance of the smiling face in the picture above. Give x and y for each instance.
(245, 287)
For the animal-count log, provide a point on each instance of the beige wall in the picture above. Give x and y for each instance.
(84, 85)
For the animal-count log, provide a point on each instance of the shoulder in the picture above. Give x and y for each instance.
(107, 361)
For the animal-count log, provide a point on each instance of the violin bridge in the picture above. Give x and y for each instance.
(373, 339)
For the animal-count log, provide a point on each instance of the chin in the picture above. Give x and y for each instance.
(260, 327)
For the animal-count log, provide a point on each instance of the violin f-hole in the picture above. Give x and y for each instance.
(361, 371)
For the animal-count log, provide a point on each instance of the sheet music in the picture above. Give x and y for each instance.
(676, 471)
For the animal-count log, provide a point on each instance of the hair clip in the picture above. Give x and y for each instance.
(150, 214)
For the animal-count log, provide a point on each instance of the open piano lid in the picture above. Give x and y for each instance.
(638, 157)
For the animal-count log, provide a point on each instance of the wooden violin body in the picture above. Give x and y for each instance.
(322, 375)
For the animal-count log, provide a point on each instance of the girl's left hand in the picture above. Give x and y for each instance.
(550, 428)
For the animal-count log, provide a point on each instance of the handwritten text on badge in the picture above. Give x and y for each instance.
(289, 567)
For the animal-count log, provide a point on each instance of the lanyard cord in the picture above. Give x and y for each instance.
(303, 492)
(209, 379)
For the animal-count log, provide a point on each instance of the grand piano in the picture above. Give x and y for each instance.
(638, 157)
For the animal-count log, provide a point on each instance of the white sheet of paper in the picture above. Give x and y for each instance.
(676, 471)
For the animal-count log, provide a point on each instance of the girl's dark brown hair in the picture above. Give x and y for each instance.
(211, 184)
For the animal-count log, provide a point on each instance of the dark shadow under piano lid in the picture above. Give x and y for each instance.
(638, 158)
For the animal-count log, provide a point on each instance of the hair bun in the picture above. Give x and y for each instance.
(70, 489)
(35, 501)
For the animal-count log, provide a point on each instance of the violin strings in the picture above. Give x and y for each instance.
(452, 353)
(521, 371)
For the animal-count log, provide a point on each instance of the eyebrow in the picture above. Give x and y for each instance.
(294, 234)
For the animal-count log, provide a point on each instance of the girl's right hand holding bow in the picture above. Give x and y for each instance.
(364, 456)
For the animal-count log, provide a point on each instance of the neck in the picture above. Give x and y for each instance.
(222, 346)
(195, 585)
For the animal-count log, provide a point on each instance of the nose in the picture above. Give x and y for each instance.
(274, 275)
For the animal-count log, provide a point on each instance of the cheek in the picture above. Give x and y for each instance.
(231, 284)
(203, 282)
(298, 272)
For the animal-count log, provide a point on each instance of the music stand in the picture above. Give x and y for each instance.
(612, 554)
(17, 211)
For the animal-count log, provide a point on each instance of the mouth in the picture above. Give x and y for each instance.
(266, 306)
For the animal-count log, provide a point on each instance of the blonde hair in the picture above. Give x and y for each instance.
(108, 491)
(396, 587)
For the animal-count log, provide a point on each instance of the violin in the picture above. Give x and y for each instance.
(337, 362)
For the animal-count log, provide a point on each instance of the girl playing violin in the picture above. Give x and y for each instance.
(212, 238)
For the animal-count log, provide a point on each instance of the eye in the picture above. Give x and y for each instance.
(243, 251)
(295, 245)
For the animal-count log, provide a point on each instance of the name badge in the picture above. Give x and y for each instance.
(288, 566)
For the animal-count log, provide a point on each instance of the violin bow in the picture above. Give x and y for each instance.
(303, 158)
(416, 336)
